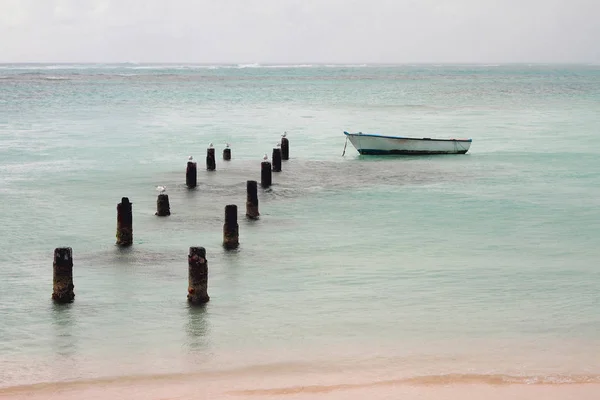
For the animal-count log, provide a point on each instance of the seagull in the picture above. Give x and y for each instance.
(265, 157)
(190, 158)
(210, 145)
(284, 134)
(161, 189)
(278, 144)
(227, 145)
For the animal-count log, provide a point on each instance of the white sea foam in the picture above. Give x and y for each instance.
(57, 78)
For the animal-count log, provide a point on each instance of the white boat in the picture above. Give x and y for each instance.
(372, 144)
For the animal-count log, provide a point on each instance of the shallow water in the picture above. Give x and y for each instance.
(481, 264)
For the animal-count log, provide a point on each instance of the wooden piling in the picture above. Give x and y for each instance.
(191, 174)
(285, 148)
(276, 159)
(227, 153)
(62, 280)
(124, 223)
(266, 178)
(163, 208)
(211, 164)
(252, 200)
(197, 276)
(231, 228)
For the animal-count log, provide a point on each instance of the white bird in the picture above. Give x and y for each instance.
(190, 158)
(265, 157)
(278, 145)
(161, 189)
(210, 145)
(284, 134)
(227, 145)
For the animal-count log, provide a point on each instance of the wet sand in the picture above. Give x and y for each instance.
(257, 387)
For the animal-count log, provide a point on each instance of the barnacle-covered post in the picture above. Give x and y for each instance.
(124, 223)
(285, 147)
(211, 164)
(191, 173)
(277, 159)
(62, 280)
(197, 276)
(163, 207)
(252, 200)
(231, 230)
(265, 173)
(227, 153)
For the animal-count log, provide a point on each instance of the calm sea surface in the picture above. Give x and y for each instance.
(486, 263)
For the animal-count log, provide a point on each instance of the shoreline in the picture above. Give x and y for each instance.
(248, 384)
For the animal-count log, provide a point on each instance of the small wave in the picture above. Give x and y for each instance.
(346, 65)
(288, 66)
(432, 380)
(242, 66)
(57, 67)
(57, 78)
(174, 67)
(248, 65)
(158, 67)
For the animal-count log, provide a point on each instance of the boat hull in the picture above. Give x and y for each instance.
(384, 145)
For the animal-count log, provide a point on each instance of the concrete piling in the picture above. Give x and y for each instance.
(162, 205)
(231, 228)
(266, 178)
(211, 164)
(252, 200)
(191, 174)
(227, 153)
(124, 223)
(285, 147)
(276, 159)
(197, 276)
(62, 280)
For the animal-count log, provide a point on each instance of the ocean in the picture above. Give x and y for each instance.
(367, 276)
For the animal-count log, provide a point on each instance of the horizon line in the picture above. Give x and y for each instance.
(307, 63)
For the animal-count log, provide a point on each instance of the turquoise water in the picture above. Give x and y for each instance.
(482, 263)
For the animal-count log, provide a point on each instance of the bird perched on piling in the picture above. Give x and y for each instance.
(190, 158)
(161, 189)
(265, 157)
(226, 145)
(210, 145)
(284, 134)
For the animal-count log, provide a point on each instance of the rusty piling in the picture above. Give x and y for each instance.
(211, 164)
(266, 178)
(191, 174)
(285, 147)
(124, 223)
(252, 200)
(62, 280)
(197, 276)
(163, 208)
(227, 153)
(276, 159)
(231, 229)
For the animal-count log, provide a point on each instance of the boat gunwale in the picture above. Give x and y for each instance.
(406, 138)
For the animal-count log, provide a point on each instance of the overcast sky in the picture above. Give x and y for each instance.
(300, 31)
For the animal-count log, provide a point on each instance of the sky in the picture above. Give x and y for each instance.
(300, 31)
